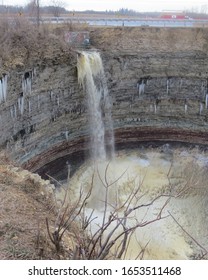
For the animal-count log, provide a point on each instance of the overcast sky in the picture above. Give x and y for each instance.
(102, 5)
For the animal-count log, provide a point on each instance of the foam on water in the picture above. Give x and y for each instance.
(157, 173)
(170, 184)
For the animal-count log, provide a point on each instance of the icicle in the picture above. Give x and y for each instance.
(3, 88)
(141, 87)
(58, 102)
(13, 112)
(29, 85)
(155, 108)
(26, 85)
(200, 108)
(67, 135)
(206, 101)
(21, 104)
(33, 73)
(51, 95)
(1, 91)
(185, 108)
(151, 108)
(38, 101)
(29, 106)
(202, 87)
(167, 85)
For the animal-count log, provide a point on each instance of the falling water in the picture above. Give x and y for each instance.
(92, 78)
(134, 180)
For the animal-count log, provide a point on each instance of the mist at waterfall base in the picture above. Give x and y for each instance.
(172, 182)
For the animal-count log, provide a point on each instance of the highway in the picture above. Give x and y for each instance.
(128, 21)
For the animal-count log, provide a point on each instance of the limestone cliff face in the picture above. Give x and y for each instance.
(44, 108)
(158, 83)
(158, 79)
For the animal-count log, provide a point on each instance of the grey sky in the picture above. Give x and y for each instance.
(138, 5)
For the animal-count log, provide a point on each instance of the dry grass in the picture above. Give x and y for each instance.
(27, 202)
(24, 205)
(24, 44)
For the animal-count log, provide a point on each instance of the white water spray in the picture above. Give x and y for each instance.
(92, 78)
(113, 183)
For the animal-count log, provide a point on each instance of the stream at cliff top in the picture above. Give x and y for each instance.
(159, 196)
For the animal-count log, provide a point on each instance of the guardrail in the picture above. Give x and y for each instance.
(126, 21)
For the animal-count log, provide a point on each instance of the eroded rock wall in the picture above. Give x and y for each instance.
(44, 108)
(157, 80)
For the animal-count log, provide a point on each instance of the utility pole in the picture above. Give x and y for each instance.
(38, 12)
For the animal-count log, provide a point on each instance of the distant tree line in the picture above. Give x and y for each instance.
(123, 12)
(57, 8)
(31, 7)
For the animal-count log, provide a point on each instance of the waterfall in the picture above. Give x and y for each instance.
(92, 78)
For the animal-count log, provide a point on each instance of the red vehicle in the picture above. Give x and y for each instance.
(174, 16)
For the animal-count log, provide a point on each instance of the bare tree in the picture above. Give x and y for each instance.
(33, 9)
(57, 6)
(204, 9)
(110, 237)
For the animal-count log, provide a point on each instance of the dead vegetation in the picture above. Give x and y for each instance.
(109, 238)
(35, 225)
(25, 202)
(113, 234)
(24, 44)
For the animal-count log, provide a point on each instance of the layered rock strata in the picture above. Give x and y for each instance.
(157, 80)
